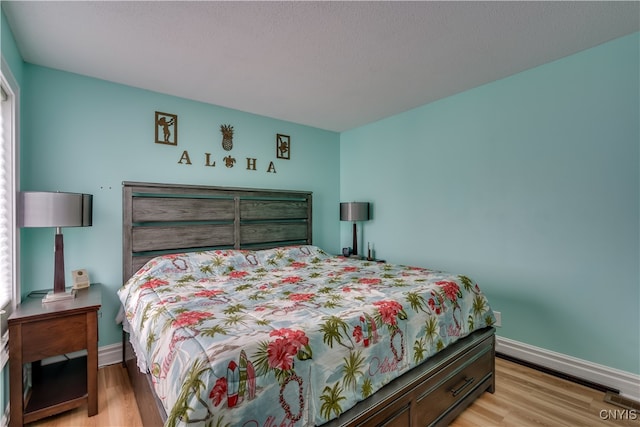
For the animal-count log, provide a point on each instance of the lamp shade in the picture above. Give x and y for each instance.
(354, 211)
(54, 209)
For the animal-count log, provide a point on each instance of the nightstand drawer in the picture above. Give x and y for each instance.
(54, 337)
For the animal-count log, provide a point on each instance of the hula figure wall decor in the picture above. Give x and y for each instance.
(166, 128)
(283, 146)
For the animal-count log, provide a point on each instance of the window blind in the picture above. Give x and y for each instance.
(7, 192)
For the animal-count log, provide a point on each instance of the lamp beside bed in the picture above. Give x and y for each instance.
(55, 209)
(354, 211)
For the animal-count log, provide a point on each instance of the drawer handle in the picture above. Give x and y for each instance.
(467, 383)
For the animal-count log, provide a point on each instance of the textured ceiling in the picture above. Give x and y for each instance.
(332, 65)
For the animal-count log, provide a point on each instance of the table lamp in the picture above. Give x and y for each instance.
(354, 211)
(55, 209)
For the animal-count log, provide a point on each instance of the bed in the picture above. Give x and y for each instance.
(234, 318)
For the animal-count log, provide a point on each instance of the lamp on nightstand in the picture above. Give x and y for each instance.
(354, 211)
(55, 209)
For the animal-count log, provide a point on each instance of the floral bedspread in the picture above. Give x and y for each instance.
(288, 336)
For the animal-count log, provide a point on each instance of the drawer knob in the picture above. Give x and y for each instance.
(467, 382)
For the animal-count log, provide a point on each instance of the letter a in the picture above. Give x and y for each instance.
(185, 157)
(272, 168)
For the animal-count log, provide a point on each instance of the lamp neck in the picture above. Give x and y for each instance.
(355, 239)
(58, 274)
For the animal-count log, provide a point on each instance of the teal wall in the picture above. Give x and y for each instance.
(86, 135)
(530, 185)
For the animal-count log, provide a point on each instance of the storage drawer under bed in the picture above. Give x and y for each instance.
(453, 384)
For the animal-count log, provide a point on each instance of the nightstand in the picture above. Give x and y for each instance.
(38, 331)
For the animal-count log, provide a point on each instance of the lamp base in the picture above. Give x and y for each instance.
(58, 296)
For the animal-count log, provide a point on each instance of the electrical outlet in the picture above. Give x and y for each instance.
(498, 318)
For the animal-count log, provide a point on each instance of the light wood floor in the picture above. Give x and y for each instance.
(526, 397)
(523, 397)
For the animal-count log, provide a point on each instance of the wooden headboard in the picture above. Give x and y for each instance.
(169, 218)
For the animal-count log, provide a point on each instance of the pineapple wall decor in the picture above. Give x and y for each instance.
(227, 137)
(166, 128)
(283, 146)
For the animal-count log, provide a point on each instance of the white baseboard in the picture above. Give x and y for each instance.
(627, 382)
(107, 355)
(5, 416)
(110, 354)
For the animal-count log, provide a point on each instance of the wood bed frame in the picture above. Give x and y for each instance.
(170, 218)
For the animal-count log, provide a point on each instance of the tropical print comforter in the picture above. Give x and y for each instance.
(288, 336)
